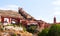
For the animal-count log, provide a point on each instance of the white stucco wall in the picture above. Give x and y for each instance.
(6, 21)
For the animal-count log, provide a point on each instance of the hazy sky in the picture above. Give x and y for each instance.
(40, 9)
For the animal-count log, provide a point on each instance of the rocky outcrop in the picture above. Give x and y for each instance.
(13, 32)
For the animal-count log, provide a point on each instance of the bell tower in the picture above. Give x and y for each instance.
(54, 20)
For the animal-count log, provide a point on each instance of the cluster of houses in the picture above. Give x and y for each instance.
(14, 17)
(21, 17)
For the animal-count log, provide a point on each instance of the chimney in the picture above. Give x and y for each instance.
(54, 20)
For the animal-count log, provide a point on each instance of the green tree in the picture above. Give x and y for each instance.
(54, 30)
(32, 28)
(44, 32)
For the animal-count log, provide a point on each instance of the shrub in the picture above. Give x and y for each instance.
(24, 28)
(12, 34)
(31, 28)
(43, 33)
(54, 30)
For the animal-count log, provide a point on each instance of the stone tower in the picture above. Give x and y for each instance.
(54, 20)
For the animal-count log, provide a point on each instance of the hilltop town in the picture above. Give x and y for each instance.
(20, 23)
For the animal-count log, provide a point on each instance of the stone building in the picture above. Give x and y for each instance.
(14, 17)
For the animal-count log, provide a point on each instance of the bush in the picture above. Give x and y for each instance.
(54, 30)
(1, 29)
(24, 28)
(12, 34)
(43, 33)
(31, 28)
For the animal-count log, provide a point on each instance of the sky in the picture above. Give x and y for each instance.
(40, 9)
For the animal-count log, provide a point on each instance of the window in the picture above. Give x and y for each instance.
(6, 20)
(13, 21)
